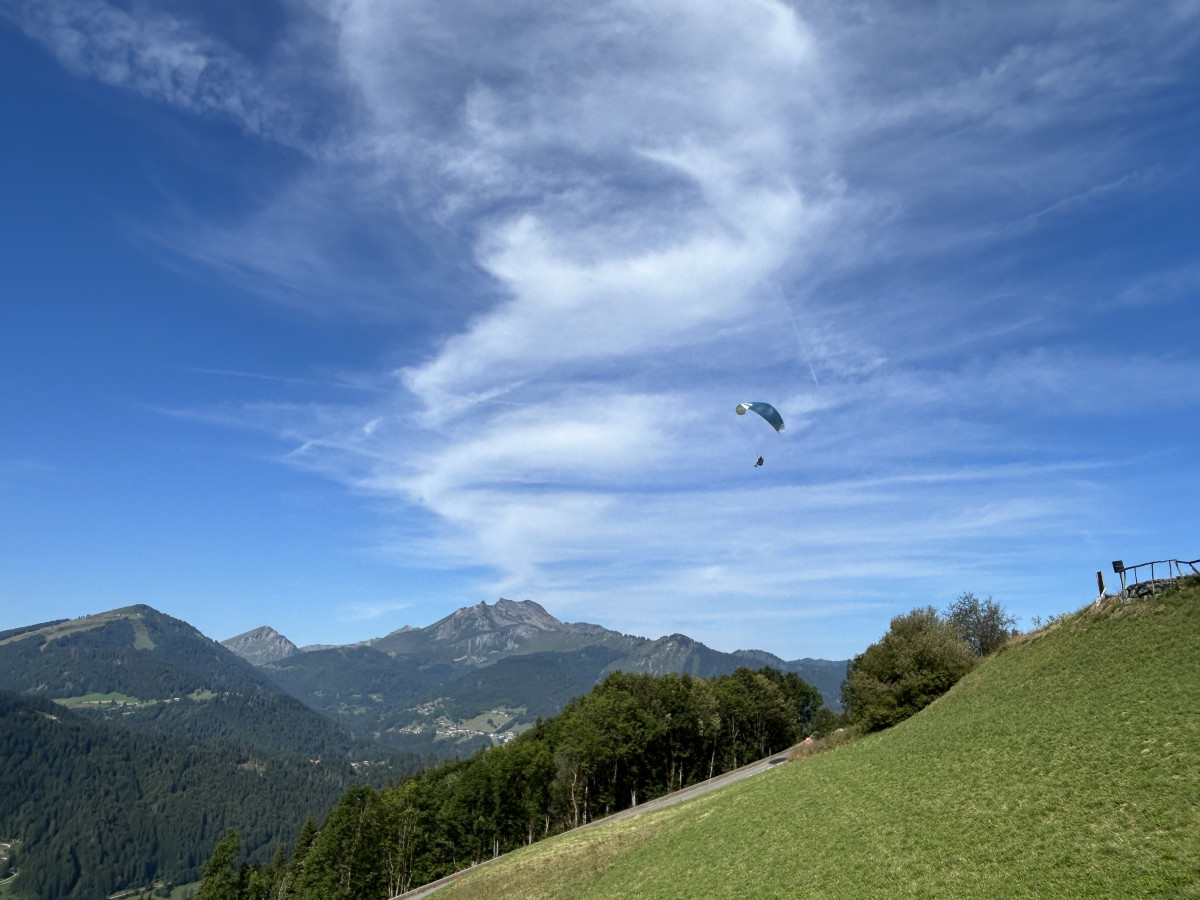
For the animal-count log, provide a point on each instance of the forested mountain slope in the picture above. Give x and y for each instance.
(134, 650)
(1066, 765)
(93, 807)
(148, 670)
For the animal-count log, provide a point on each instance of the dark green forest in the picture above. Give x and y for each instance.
(269, 722)
(95, 807)
(632, 738)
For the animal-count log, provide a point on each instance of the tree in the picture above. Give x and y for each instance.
(304, 842)
(343, 861)
(919, 659)
(756, 714)
(279, 881)
(574, 765)
(220, 882)
(983, 624)
(804, 699)
(401, 819)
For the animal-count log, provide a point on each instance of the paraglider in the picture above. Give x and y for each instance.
(768, 412)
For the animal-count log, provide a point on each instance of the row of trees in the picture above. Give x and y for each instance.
(632, 738)
(921, 657)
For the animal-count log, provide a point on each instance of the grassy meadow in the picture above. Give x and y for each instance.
(1065, 765)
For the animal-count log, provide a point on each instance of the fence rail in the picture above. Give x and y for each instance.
(1174, 569)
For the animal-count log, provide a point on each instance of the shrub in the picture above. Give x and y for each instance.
(919, 659)
(837, 738)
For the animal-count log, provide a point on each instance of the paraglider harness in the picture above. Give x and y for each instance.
(759, 463)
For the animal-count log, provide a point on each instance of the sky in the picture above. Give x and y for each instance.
(338, 315)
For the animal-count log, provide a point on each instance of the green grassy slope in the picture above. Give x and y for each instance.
(1067, 765)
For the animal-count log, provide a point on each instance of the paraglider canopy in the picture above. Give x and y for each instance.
(766, 410)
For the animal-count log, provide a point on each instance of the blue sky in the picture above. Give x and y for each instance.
(337, 316)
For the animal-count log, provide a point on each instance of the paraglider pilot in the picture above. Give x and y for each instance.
(768, 412)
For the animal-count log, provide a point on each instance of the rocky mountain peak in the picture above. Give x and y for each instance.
(524, 612)
(677, 640)
(260, 646)
(505, 614)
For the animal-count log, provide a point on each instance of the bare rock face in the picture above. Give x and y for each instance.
(261, 646)
(522, 618)
(480, 632)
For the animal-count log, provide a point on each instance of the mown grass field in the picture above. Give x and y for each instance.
(117, 699)
(1067, 765)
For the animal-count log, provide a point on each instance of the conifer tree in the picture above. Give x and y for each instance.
(220, 881)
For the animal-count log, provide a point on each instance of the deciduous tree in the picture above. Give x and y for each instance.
(983, 624)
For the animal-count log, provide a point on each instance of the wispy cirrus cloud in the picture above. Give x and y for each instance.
(157, 55)
(13, 471)
(365, 612)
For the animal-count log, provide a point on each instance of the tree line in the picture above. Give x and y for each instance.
(632, 738)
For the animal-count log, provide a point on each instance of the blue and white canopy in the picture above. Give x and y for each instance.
(766, 410)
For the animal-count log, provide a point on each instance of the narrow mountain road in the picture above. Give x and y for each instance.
(687, 793)
(4, 856)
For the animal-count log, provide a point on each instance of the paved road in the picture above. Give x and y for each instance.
(687, 793)
(4, 859)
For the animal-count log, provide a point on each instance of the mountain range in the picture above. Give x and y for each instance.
(485, 671)
(193, 735)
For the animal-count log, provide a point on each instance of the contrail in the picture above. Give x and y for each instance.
(233, 373)
(799, 339)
